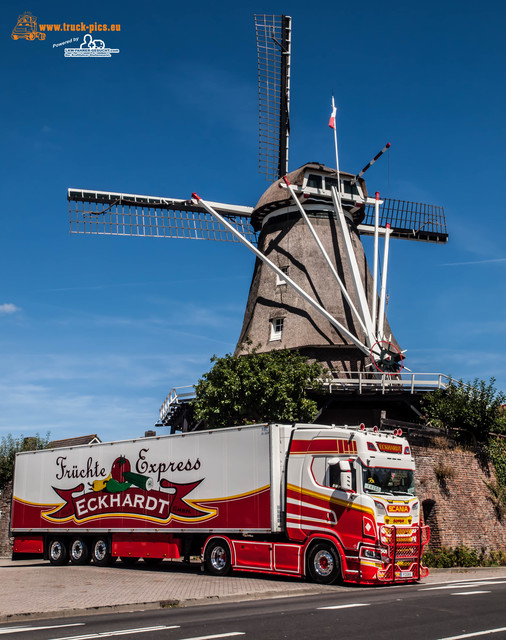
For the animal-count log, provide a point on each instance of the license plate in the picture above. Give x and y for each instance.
(406, 574)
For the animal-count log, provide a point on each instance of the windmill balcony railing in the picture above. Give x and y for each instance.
(336, 382)
(364, 382)
(176, 397)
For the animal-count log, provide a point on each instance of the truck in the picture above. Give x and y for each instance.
(323, 502)
(26, 28)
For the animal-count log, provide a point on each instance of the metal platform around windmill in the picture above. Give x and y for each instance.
(359, 383)
(312, 290)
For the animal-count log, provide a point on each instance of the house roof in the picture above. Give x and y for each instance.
(74, 442)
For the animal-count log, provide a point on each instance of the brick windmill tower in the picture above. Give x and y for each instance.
(312, 289)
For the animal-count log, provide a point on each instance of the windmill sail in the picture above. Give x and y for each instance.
(125, 214)
(408, 220)
(274, 48)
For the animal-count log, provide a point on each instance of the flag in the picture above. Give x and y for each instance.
(332, 121)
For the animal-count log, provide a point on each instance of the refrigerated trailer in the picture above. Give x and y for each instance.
(324, 502)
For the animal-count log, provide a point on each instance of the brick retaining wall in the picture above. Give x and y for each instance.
(5, 512)
(458, 505)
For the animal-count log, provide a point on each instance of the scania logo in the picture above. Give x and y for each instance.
(398, 508)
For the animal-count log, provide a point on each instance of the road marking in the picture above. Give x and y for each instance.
(21, 629)
(464, 585)
(121, 632)
(345, 606)
(492, 578)
(218, 635)
(476, 633)
(468, 593)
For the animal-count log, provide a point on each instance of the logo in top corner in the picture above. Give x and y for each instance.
(26, 28)
(90, 48)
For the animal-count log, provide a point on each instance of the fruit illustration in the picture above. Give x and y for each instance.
(119, 466)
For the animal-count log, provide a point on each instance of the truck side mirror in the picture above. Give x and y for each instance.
(340, 474)
(345, 479)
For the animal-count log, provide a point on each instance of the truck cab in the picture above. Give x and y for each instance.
(355, 488)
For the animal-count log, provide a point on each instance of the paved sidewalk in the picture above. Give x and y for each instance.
(34, 588)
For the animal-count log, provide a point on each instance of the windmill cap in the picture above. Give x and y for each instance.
(276, 198)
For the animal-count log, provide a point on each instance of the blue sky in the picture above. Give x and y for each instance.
(95, 331)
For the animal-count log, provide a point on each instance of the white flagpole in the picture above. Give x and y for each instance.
(334, 110)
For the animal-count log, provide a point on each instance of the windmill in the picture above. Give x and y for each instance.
(312, 289)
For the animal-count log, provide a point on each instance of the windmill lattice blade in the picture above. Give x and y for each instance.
(273, 46)
(408, 220)
(119, 214)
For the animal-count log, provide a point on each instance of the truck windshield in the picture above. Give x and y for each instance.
(384, 480)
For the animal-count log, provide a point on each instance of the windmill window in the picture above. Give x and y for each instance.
(346, 186)
(276, 328)
(349, 188)
(330, 182)
(314, 181)
(279, 279)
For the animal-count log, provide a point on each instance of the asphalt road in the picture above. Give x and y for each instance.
(438, 611)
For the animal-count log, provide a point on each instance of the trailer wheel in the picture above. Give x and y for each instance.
(79, 551)
(100, 553)
(128, 561)
(58, 552)
(323, 563)
(218, 558)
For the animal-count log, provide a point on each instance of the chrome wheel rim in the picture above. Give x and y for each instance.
(218, 558)
(56, 550)
(324, 563)
(77, 550)
(100, 550)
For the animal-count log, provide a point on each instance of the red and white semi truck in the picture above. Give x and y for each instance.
(325, 502)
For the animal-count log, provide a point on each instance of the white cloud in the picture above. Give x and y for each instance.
(8, 308)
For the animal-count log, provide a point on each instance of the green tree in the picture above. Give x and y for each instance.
(257, 387)
(471, 410)
(9, 446)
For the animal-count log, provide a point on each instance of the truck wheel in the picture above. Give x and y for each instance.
(100, 553)
(58, 552)
(323, 563)
(128, 561)
(79, 551)
(218, 558)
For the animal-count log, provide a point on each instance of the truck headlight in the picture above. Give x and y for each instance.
(371, 554)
